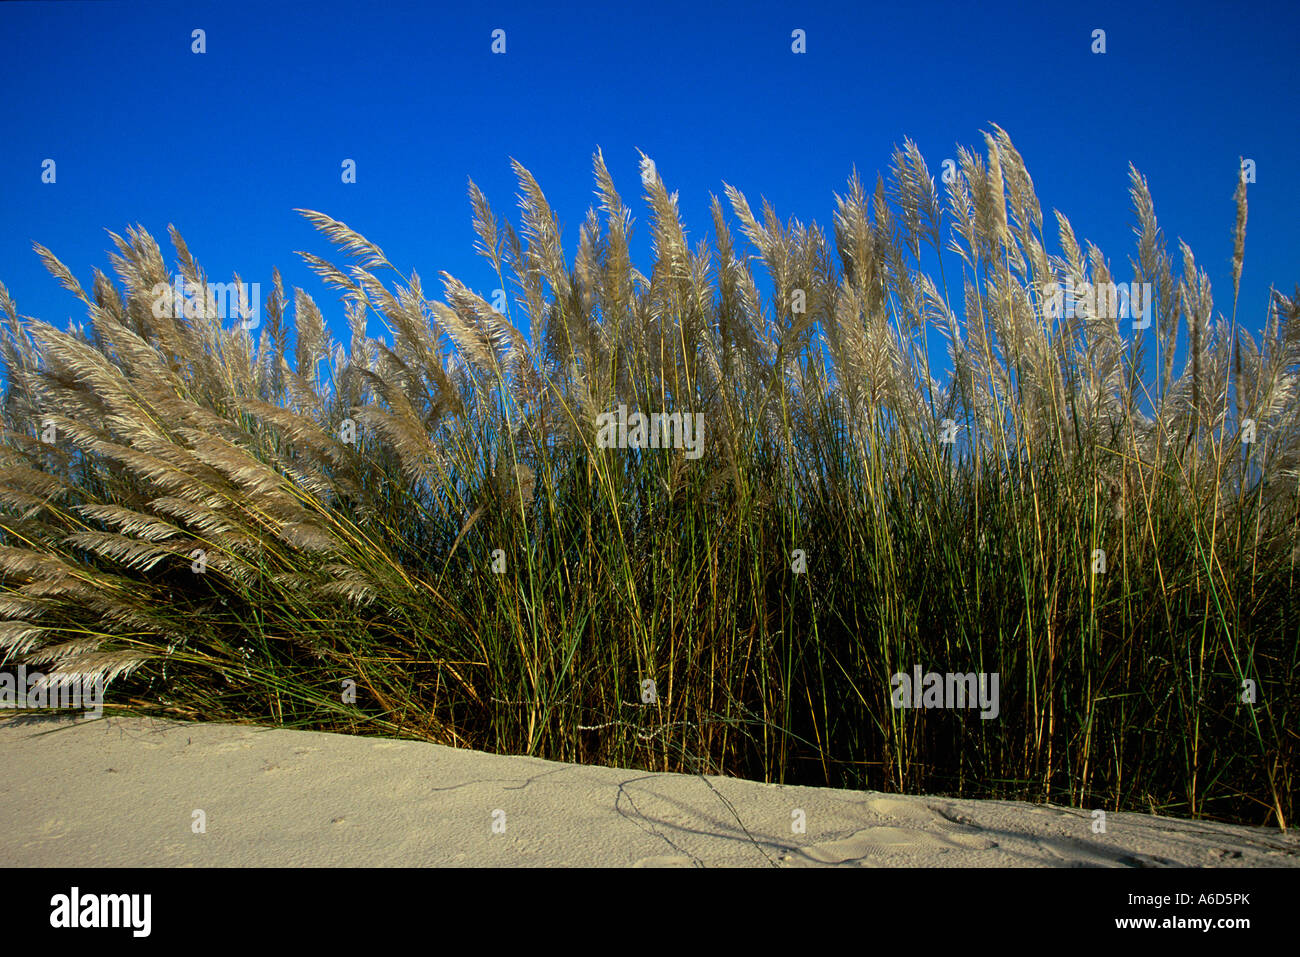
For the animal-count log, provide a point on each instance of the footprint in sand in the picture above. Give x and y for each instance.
(226, 747)
(664, 860)
(924, 827)
(957, 828)
(918, 814)
(871, 841)
(52, 830)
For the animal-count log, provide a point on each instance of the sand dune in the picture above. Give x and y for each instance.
(125, 792)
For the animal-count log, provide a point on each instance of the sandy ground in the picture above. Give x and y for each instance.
(125, 792)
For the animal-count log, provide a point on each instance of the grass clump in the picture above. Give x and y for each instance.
(418, 533)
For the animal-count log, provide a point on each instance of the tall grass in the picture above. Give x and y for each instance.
(187, 514)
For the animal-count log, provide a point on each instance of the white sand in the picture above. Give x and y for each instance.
(122, 792)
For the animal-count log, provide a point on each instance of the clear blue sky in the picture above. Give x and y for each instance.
(225, 144)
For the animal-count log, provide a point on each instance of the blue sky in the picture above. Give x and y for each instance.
(226, 144)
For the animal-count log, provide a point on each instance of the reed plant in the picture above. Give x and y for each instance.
(911, 458)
